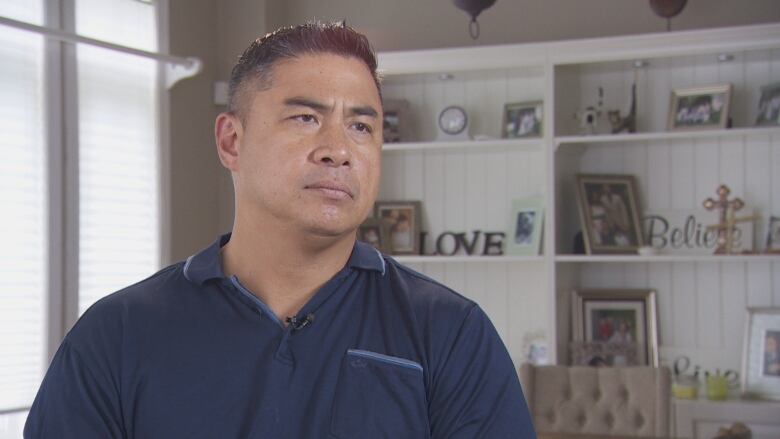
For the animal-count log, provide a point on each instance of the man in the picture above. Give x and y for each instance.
(288, 328)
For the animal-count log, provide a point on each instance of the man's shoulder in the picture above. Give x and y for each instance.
(423, 291)
(110, 312)
(149, 290)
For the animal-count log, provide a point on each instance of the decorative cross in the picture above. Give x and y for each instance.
(727, 220)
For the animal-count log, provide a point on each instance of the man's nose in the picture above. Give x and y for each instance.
(333, 148)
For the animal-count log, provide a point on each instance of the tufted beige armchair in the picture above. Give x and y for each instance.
(626, 401)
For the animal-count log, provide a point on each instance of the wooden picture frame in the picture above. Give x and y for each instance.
(526, 225)
(618, 316)
(699, 108)
(608, 213)
(395, 121)
(761, 354)
(522, 120)
(601, 354)
(401, 222)
(769, 106)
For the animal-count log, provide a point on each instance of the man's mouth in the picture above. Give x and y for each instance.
(332, 189)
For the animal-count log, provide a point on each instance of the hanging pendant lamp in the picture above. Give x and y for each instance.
(473, 8)
(667, 9)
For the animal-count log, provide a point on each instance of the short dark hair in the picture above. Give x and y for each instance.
(255, 65)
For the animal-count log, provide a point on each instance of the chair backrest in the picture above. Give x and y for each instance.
(626, 401)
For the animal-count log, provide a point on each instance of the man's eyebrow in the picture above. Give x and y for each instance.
(305, 102)
(361, 110)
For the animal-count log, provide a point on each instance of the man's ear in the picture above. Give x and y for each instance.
(228, 132)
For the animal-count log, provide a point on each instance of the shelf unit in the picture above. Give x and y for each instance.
(469, 185)
(662, 136)
(466, 144)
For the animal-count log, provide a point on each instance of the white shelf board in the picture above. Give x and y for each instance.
(671, 135)
(492, 143)
(667, 258)
(463, 258)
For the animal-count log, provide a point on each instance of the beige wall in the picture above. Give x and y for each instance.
(201, 190)
(217, 31)
(193, 162)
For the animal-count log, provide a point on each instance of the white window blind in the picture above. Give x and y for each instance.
(118, 192)
(118, 149)
(23, 221)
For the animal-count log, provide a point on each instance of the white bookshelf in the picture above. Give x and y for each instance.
(665, 258)
(469, 259)
(665, 136)
(476, 144)
(469, 185)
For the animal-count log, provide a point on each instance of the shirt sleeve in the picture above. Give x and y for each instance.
(475, 391)
(73, 402)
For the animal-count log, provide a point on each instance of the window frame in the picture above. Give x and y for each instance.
(61, 134)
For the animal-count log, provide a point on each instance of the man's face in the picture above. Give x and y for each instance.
(310, 153)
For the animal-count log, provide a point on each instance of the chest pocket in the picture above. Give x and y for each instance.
(379, 396)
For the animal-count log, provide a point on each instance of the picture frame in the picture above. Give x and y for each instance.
(526, 225)
(769, 106)
(761, 354)
(773, 235)
(602, 354)
(699, 108)
(372, 233)
(395, 121)
(608, 212)
(621, 316)
(523, 120)
(401, 223)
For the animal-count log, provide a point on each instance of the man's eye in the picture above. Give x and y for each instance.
(363, 128)
(307, 118)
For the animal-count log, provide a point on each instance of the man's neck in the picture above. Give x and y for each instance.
(283, 268)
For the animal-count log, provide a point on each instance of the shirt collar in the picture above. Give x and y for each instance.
(207, 264)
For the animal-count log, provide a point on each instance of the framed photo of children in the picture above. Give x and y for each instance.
(608, 213)
(618, 317)
(523, 119)
(525, 226)
(401, 222)
(761, 354)
(700, 108)
(769, 106)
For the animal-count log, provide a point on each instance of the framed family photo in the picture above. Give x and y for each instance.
(761, 354)
(522, 119)
(773, 235)
(769, 106)
(617, 319)
(700, 108)
(608, 213)
(525, 226)
(401, 223)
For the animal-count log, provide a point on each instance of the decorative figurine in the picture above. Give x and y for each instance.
(727, 218)
(627, 123)
(588, 117)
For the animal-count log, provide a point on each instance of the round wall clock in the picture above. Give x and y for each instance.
(453, 123)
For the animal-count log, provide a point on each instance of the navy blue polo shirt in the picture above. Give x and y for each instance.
(190, 353)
